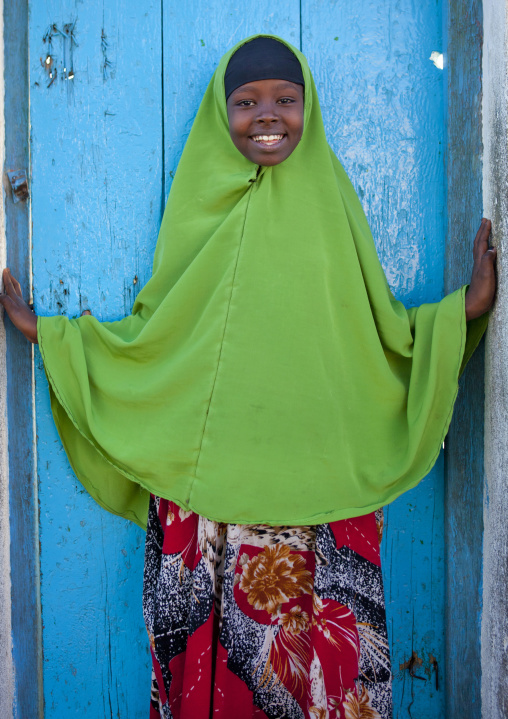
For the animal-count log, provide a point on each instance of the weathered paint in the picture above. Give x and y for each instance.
(6, 664)
(382, 100)
(24, 556)
(100, 144)
(464, 444)
(495, 197)
(96, 189)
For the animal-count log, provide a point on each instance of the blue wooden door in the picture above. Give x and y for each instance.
(114, 87)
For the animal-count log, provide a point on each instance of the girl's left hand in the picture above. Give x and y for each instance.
(482, 288)
(19, 312)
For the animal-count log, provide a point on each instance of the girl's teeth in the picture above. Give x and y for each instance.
(267, 138)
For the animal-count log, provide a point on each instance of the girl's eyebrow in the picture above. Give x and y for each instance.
(283, 84)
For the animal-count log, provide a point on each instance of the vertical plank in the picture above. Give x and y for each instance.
(95, 89)
(464, 444)
(24, 558)
(494, 628)
(196, 35)
(382, 102)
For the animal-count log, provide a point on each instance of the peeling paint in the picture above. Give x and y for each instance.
(6, 664)
(58, 59)
(438, 59)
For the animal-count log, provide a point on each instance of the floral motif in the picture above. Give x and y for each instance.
(317, 604)
(275, 576)
(317, 689)
(318, 712)
(337, 623)
(380, 523)
(359, 707)
(295, 621)
(273, 586)
(375, 647)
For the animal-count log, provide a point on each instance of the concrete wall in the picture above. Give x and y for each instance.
(495, 545)
(6, 668)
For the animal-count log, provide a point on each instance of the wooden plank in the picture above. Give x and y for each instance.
(24, 557)
(464, 446)
(382, 102)
(97, 195)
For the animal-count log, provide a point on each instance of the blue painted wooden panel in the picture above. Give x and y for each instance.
(464, 445)
(24, 555)
(382, 101)
(96, 114)
(105, 144)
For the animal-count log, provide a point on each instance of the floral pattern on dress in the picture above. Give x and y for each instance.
(265, 622)
(274, 576)
(358, 705)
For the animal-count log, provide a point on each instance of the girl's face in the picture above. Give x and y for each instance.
(266, 120)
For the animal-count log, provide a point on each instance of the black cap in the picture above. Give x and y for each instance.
(263, 58)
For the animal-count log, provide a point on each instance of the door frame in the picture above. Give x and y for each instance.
(26, 633)
(464, 499)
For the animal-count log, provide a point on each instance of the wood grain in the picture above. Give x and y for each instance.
(464, 446)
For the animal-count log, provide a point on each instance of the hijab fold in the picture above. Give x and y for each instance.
(266, 373)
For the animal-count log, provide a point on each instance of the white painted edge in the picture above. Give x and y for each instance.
(494, 631)
(6, 662)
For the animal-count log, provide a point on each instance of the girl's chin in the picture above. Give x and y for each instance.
(268, 157)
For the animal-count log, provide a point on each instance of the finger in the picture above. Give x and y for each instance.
(8, 304)
(483, 245)
(17, 286)
(477, 240)
(8, 286)
(481, 241)
(490, 255)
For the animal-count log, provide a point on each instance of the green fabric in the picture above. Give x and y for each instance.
(266, 373)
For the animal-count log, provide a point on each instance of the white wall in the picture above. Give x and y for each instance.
(495, 189)
(6, 668)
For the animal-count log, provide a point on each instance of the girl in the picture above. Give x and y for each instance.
(232, 408)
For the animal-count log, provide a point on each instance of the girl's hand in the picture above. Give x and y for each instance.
(482, 288)
(19, 312)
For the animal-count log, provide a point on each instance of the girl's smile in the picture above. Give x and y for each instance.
(266, 120)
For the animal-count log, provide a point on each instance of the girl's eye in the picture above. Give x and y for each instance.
(286, 100)
(245, 103)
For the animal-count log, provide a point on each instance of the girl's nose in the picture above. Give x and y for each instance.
(267, 114)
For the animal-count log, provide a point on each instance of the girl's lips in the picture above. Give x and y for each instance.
(268, 144)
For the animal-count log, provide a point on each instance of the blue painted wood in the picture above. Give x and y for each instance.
(464, 446)
(97, 192)
(105, 143)
(24, 556)
(382, 102)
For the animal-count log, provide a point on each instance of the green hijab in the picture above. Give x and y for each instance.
(266, 373)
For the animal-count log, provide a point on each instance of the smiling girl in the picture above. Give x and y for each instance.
(231, 409)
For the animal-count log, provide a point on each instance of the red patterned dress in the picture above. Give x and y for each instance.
(265, 622)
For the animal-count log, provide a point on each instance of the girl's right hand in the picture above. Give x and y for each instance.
(19, 312)
(482, 288)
